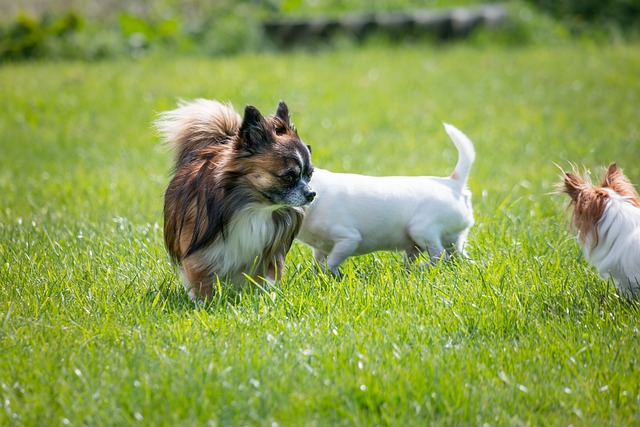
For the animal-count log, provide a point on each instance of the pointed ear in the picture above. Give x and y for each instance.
(618, 182)
(254, 135)
(282, 112)
(309, 148)
(612, 174)
(573, 184)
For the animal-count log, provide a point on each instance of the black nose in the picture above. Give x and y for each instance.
(310, 195)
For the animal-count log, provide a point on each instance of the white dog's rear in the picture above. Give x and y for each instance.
(357, 214)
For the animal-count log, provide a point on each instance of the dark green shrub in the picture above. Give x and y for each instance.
(27, 37)
(22, 39)
(579, 13)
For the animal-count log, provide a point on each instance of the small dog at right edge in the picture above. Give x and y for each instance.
(607, 218)
(357, 214)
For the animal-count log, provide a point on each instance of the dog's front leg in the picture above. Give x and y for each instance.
(320, 257)
(196, 282)
(275, 269)
(341, 250)
(321, 261)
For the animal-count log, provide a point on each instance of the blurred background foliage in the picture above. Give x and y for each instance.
(96, 29)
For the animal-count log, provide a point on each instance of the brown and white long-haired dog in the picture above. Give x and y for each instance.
(607, 218)
(233, 207)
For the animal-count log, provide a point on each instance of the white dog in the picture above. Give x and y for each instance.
(357, 214)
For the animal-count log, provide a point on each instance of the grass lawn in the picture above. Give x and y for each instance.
(95, 328)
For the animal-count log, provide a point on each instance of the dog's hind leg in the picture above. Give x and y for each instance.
(436, 252)
(412, 254)
(431, 243)
(455, 244)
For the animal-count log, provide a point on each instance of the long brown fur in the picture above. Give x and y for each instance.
(588, 204)
(225, 165)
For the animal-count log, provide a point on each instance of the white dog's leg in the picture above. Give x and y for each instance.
(321, 261)
(456, 250)
(320, 257)
(340, 251)
(436, 252)
(412, 253)
(429, 240)
(458, 247)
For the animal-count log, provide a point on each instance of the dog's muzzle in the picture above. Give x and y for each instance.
(308, 193)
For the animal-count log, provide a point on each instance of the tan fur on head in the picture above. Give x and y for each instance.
(588, 203)
(615, 180)
(607, 217)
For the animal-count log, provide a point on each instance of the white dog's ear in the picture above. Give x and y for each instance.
(254, 136)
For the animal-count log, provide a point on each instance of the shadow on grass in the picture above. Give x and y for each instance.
(169, 294)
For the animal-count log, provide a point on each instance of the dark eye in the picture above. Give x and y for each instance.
(289, 177)
(280, 130)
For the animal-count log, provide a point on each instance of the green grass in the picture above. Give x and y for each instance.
(95, 328)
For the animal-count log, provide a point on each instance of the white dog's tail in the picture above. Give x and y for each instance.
(195, 125)
(466, 153)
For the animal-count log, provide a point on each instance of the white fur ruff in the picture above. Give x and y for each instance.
(241, 252)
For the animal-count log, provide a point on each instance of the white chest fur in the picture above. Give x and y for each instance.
(243, 245)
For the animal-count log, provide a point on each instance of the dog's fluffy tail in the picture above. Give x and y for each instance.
(196, 125)
(466, 153)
